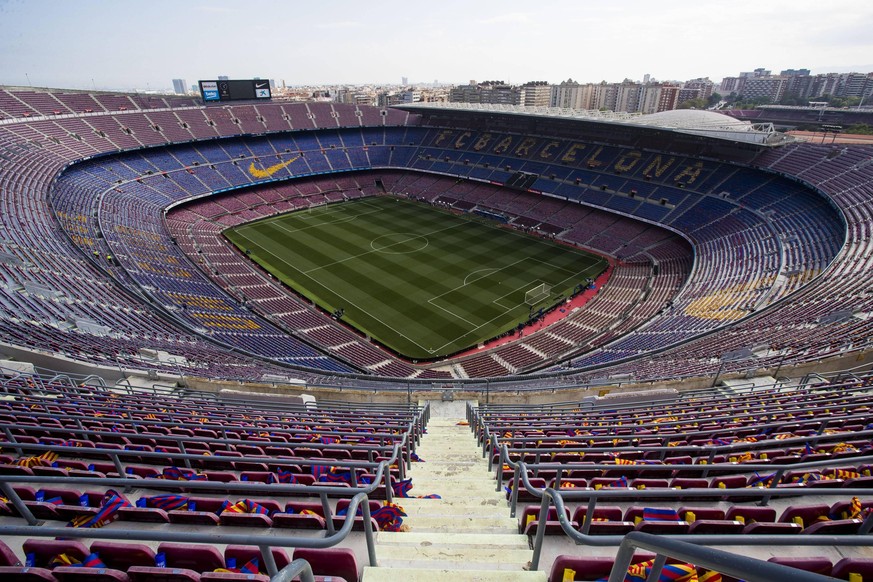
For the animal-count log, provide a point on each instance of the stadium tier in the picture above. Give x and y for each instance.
(106, 483)
(135, 233)
(114, 208)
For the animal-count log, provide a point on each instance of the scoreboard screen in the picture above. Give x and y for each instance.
(233, 90)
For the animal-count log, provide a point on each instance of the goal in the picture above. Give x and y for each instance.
(537, 294)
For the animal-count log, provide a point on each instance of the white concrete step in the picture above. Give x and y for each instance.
(454, 512)
(483, 482)
(431, 539)
(475, 524)
(443, 563)
(465, 535)
(438, 557)
(449, 575)
(494, 505)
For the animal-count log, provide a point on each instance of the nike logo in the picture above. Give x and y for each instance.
(259, 85)
(267, 172)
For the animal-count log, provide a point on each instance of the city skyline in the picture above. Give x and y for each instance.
(99, 44)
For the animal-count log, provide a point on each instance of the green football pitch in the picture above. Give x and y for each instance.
(420, 280)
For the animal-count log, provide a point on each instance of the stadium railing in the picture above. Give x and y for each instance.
(264, 542)
(551, 497)
(741, 567)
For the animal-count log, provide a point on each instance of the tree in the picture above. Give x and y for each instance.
(859, 128)
(698, 103)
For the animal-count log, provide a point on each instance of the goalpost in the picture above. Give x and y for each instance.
(537, 294)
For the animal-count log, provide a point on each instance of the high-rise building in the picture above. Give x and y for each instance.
(687, 94)
(179, 86)
(628, 97)
(487, 92)
(794, 73)
(465, 93)
(704, 85)
(765, 86)
(535, 94)
(571, 95)
(854, 85)
(404, 81)
(668, 98)
(222, 77)
(730, 85)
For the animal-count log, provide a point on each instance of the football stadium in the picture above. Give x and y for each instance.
(263, 340)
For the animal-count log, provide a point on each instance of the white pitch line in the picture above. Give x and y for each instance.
(371, 251)
(352, 303)
(495, 301)
(476, 327)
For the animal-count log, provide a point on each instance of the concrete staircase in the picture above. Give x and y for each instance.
(465, 536)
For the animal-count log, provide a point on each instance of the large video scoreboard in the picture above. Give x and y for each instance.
(233, 90)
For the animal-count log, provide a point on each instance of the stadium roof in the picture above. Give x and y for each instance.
(694, 121)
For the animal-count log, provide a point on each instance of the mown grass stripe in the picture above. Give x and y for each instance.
(418, 279)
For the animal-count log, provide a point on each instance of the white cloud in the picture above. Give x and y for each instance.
(509, 18)
(340, 24)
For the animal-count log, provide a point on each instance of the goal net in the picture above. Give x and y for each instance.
(537, 294)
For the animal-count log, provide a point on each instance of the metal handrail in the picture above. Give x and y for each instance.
(264, 542)
(844, 397)
(551, 496)
(115, 456)
(703, 468)
(298, 567)
(382, 473)
(397, 439)
(520, 473)
(840, 398)
(713, 450)
(145, 422)
(741, 567)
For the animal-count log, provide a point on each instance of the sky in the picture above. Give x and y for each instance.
(135, 45)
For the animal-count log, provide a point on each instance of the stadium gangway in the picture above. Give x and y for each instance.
(13, 386)
(323, 492)
(40, 382)
(264, 542)
(253, 406)
(665, 396)
(487, 414)
(265, 400)
(409, 438)
(546, 381)
(216, 399)
(741, 567)
(553, 497)
(382, 472)
(680, 399)
(521, 469)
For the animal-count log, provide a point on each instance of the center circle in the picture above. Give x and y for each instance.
(399, 243)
